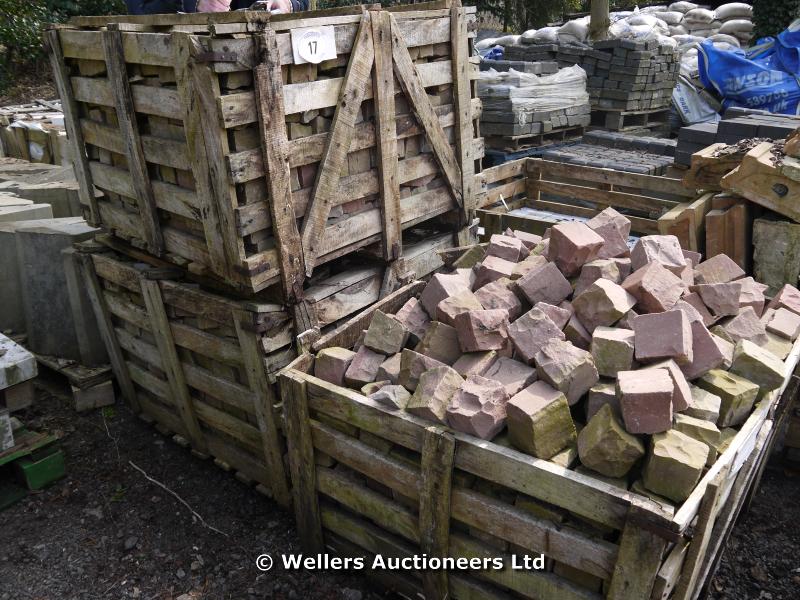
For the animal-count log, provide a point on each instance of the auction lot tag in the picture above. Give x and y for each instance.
(313, 44)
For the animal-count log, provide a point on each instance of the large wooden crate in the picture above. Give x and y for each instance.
(371, 481)
(532, 194)
(210, 140)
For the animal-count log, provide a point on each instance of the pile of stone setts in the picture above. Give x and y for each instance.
(635, 366)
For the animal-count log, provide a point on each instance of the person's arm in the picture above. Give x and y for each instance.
(287, 6)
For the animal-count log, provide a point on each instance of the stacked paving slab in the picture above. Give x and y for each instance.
(636, 365)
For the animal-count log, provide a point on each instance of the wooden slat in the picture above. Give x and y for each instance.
(157, 150)
(638, 224)
(461, 99)
(504, 171)
(147, 99)
(269, 101)
(356, 81)
(80, 162)
(640, 202)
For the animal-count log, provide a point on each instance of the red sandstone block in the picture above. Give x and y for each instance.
(491, 269)
(513, 374)
(788, 297)
(531, 331)
(545, 284)
(614, 229)
(332, 363)
(478, 408)
(602, 304)
(499, 295)
(451, 307)
(572, 245)
(414, 317)
(655, 288)
(480, 330)
(363, 368)
(645, 399)
(507, 248)
(718, 269)
(441, 286)
(722, 299)
(663, 249)
(663, 335)
(558, 315)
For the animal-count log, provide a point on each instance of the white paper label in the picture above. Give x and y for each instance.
(313, 44)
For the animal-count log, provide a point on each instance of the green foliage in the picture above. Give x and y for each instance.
(770, 17)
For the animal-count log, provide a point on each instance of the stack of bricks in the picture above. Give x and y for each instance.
(632, 366)
(532, 52)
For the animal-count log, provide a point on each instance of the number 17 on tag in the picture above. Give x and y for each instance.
(313, 44)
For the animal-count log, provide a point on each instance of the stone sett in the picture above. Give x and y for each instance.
(433, 394)
(440, 342)
(539, 421)
(393, 396)
(674, 465)
(390, 369)
(602, 304)
(497, 295)
(474, 363)
(386, 335)
(491, 269)
(746, 326)
(604, 445)
(706, 352)
(722, 299)
(703, 405)
(662, 249)
(531, 331)
(736, 394)
(577, 334)
(614, 229)
(573, 244)
(331, 364)
(663, 335)
(544, 284)
(567, 368)
(788, 297)
(655, 288)
(412, 366)
(612, 350)
(600, 394)
(758, 365)
(645, 399)
(507, 247)
(478, 408)
(514, 375)
(479, 330)
(559, 316)
(363, 368)
(597, 269)
(440, 286)
(415, 318)
(451, 307)
(683, 393)
(784, 323)
(718, 269)
(702, 431)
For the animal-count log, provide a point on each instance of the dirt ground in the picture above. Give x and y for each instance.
(105, 531)
(38, 83)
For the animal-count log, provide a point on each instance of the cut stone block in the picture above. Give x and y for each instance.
(96, 396)
(559, 316)
(693, 258)
(332, 363)
(440, 342)
(662, 249)
(663, 335)
(467, 275)
(567, 368)
(532, 331)
(576, 334)
(702, 431)
(440, 286)
(726, 348)
(544, 284)
(363, 367)
(567, 457)
(514, 375)
(703, 405)
(718, 269)
(758, 365)
(602, 304)
(683, 393)
(507, 248)
(604, 446)
(498, 295)
(645, 399)
(373, 387)
(674, 465)
(491, 269)
(690, 311)
(470, 258)
(655, 288)
(752, 295)
(612, 350)
(386, 335)
(696, 302)
(390, 369)
(91, 347)
(479, 330)
(736, 394)
(594, 270)
(474, 363)
(534, 261)
(780, 347)
(722, 299)
(529, 239)
(573, 244)
(626, 322)
(478, 408)
(539, 421)
(415, 319)
(433, 394)
(784, 323)
(393, 396)
(788, 297)
(451, 307)
(412, 366)
(624, 267)
(746, 326)
(25, 212)
(601, 394)
(16, 363)
(727, 435)
(614, 229)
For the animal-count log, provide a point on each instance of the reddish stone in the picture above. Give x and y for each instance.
(507, 248)
(645, 399)
(479, 330)
(414, 317)
(746, 326)
(390, 369)
(722, 299)
(529, 239)
(412, 366)
(600, 395)
(478, 408)
(363, 368)
(498, 295)
(788, 297)
(692, 257)
(440, 342)
(441, 286)
(784, 323)
(706, 353)
(433, 394)
(687, 276)
(513, 374)
(626, 322)
(559, 316)
(545, 284)
(597, 269)
(614, 229)
(696, 302)
(534, 261)
(655, 288)
(451, 307)
(690, 311)
(468, 276)
(573, 244)
(475, 363)
(577, 334)
(603, 303)
(752, 295)
(624, 266)
(663, 335)
(718, 269)
(331, 364)
(662, 249)
(491, 269)
(567, 368)
(683, 393)
(531, 331)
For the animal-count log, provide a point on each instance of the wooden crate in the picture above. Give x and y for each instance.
(532, 194)
(44, 142)
(370, 481)
(210, 141)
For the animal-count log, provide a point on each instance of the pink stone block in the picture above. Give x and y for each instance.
(573, 244)
(480, 330)
(513, 374)
(441, 286)
(451, 307)
(412, 366)
(682, 396)
(529, 239)
(498, 295)
(722, 299)
(491, 269)
(533, 262)
(784, 323)
(390, 369)
(706, 353)
(433, 394)
(663, 335)
(692, 257)
(603, 303)
(597, 269)
(577, 334)
(331, 364)
(624, 266)
(558, 315)
(696, 302)
(475, 363)
(655, 288)
(531, 331)
(718, 269)
(788, 297)
(567, 368)
(614, 229)
(662, 249)
(646, 400)
(363, 368)
(414, 317)
(478, 408)
(690, 311)
(507, 248)
(440, 342)
(545, 284)
(752, 295)
(746, 326)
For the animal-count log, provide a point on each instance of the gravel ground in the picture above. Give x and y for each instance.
(105, 531)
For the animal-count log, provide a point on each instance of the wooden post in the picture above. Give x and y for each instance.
(599, 20)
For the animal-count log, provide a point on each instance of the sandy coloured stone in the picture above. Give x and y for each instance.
(604, 445)
(566, 457)
(604, 268)
(784, 323)
(726, 348)
(703, 405)
(603, 303)
(718, 269)
(436, 388)
(534, 261)
(746, 326)
(687, 276)
(655, 288)
(393, 396)
(363, 368)
(386, 335)
(663, 335)
(412, 366)
(614, 229)
(612, 350)
(674, 465)
(514, 375)
(645, 399)
(788, 297)
(529, 239)
(696, 302)
(722, 299)
(479, 330)
(758, 365)
(638, 488)
(371, 388)
(478, 408)
(415, 319)
(491, 269)
(682, 395)
(601, 394)
(544, 284)
(507, 248)
(451, 307)
(539, 421)
(567, 368)
(736, 394)
(470, 258)
(468, 276)
(752, 295)
(532, 331)
(577, 334)
(700, 430)
(780, 347)
(498, 294)
(474, 363)
(390, 369)
(726, 436)
(662, 249)
(440, 342)
(573, 244)
(331, 364)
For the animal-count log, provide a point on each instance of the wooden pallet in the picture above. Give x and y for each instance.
(629, 120)
(211, 141)
(78, 375)
(573, 190)
(518, 143)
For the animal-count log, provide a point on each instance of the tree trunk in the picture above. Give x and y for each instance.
(598, 26)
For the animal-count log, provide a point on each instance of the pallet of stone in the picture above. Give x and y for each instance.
(411, 459)
(523, 66)
(630, 120)
(596, 155)
(532, 52)
(493, 157)
(211, 135)
(516, 143)
(574, 190)
(17, 372)
(34, 132)
(92, 387)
